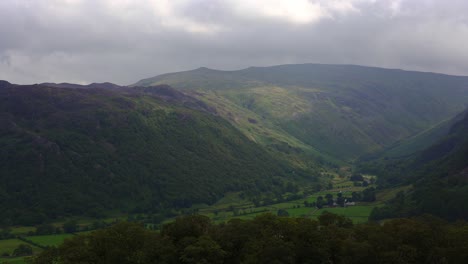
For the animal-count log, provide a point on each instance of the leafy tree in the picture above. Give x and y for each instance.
(328, 219)
(356, 196)
(282, 212)
(320, 202)
(23, 250)
(340, 201)
(70, 226)
(203, 251)
(368, 195)
(357, 177)
(45, 229)
(269, 239)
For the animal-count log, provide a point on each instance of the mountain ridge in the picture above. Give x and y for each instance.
(144, 81)
(342, 110)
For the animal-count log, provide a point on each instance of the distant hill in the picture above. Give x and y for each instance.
(74, 151)
(106, 85)
(342, 111)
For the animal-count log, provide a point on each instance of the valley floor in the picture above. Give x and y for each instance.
(230, 207)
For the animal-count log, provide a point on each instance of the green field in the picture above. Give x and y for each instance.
(22, 230)
(19, 260)
(233, 206)
(8, 246)
(49, 240)
(358, 213)
(389, 193)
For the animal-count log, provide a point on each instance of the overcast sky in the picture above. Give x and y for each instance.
(122, 41)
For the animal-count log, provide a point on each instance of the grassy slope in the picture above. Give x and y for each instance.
(295, 208)
(9, 245)
(439, 174)
(80, 151)
(258, 124)
(340, 110)
(16, 260)
(49, 240)
(221, 211)
(421, 141)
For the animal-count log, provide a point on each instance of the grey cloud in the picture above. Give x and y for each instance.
(123, 41)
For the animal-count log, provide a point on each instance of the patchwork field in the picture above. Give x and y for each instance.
(7, 247)
(233, 206)
(49, 240)
(20, 260)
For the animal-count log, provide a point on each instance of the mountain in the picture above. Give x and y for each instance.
(106, 85)
(439, 175)
(86, 150)
(340, 111)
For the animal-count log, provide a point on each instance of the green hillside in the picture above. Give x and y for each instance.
(418, 142)
(439, 175)
(342, 111)
(73, 151)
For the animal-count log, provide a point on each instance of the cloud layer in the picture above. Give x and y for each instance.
(124, 40)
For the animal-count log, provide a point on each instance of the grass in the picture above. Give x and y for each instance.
(22, 230)
(387, 194)
(264, 131)
(15, 260)
(301, 212)
(49, 240)
(220, 212)
(9, 245)
(358, 213)
(296, 208)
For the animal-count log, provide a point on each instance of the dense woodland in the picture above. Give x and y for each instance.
(69, 152)
(269, 239)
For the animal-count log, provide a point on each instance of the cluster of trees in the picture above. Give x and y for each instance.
(19, 251)
(359, 180)
(269, 239)
(281, 191)
(367, 195)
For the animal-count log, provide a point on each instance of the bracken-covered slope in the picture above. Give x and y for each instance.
(75, 151)
(340, 110)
